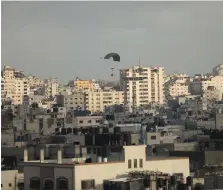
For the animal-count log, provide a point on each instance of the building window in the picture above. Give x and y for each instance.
(1, 185)
(10, 185)
(153, 137)
(20, 185)
(140, 163)
(88, 184)
(81, 121)
(129, 163)
(48, 184)
(135, 163)
(62, 183)
(88, 150)
(89, 121)
(34, 183)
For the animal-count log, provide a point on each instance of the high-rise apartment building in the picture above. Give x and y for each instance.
(142, 85)
(15, 85)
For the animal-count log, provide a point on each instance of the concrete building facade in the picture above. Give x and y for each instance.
(142, 85)
(12, 180)
(178, 86)
(71, 176)
(97, 101)
(75, 101)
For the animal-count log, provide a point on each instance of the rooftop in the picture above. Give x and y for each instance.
(87, 160)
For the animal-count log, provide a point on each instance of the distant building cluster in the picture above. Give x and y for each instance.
(160, 131)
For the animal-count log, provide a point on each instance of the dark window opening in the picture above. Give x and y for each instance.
(62, 183)
(48, 184)
(135, 163)
(129, 163)
(20, 185)
(95, 151)
(88, 150)
(141, 163)
(88, 184)
(34, 183)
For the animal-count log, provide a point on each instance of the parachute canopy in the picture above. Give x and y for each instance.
(115, 57)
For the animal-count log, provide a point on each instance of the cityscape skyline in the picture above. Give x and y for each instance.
(46, 38)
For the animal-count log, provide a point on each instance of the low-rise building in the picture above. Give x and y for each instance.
(72, 175)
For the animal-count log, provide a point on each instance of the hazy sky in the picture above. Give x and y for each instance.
(67, 39)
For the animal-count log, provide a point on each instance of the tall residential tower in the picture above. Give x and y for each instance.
(142, 85)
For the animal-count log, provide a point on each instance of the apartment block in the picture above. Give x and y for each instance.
(75, 101)
(177, 86)
(142, 85)
(14, 85)
(97, 101)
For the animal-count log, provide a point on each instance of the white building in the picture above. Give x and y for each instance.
(70, 174)
(142, 85)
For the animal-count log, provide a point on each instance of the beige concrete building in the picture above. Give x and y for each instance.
(15, 89)
(142, 85)
(12, 180)
(70, 175)
(14, 85)
(211, 93)
(83, 84)
(34, 81)
(97, 100)
(75, 101)
(178, 86)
